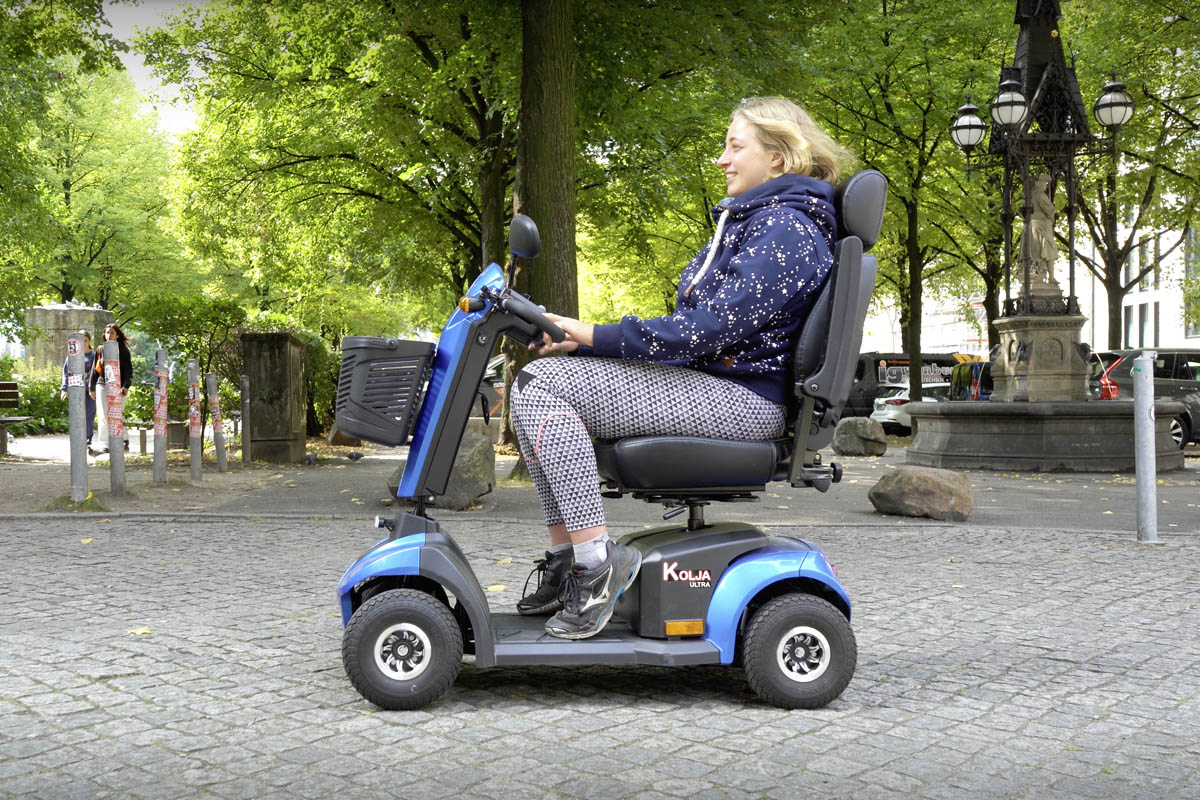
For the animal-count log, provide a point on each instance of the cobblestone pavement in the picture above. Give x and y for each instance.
(182, 657)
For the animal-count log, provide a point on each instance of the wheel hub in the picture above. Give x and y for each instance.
(402, 652)
(803, 654)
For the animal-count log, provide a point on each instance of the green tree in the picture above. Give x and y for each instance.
(886, 80)
(103, 169)
(1138, 206)
(37, 41)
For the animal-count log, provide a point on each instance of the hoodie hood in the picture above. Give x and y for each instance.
(813, 197)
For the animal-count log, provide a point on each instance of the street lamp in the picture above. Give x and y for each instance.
(1114, 108)
(967, 129)
(1009, 109)
(1014, 148)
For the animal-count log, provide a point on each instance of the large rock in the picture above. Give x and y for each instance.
(859, 436)
(923, 492)
(473, 474)
(337, 438)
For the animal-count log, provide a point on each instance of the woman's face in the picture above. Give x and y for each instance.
(110, 335)
(745, 163)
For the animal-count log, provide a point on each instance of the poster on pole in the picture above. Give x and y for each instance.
(194, 411)
(115, 400)
(160, 402)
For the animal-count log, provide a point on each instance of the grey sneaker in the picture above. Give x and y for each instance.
(551, 571)
(590, 595)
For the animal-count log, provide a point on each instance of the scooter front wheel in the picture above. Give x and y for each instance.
(402, 649)
(799, 652)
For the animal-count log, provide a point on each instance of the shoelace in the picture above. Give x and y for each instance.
(540, 567)
(570, 592)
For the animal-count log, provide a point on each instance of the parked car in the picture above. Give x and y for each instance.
(875, 371)
(891, 407)
(1176, 377)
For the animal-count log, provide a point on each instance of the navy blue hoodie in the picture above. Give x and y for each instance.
(741, 319)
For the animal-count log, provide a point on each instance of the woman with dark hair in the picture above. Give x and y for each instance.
(112, 333)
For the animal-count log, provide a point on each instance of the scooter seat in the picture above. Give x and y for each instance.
(682, 463)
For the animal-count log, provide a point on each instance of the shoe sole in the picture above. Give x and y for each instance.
(637, 567)
(548, 608)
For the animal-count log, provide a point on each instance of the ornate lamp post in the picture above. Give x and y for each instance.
(1040, 126)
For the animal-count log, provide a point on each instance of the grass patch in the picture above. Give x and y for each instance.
(65, 503)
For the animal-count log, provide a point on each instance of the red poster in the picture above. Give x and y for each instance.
(194, 411)
(115, 403)
(160, 402)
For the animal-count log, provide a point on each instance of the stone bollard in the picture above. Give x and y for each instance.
(859, 436)
(923, 492)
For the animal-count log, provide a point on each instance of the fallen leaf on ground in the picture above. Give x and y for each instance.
(85, 541)
(496, 587)
(140, 631)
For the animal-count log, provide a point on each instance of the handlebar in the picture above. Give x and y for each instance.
(522, 307)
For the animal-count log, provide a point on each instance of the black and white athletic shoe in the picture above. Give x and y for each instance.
(551, 572)
(590, 595)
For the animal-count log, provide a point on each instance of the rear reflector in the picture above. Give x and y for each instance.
(685, 627)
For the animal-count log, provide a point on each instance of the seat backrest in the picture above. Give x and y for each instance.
(828, 344)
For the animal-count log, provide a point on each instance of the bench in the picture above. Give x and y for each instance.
(10, 397)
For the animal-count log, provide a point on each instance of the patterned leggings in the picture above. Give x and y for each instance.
(559, 404)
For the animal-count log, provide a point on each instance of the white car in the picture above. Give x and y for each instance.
(891, 406)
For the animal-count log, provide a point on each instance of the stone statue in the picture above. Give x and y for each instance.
(1037, 240)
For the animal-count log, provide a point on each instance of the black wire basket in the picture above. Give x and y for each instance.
(380, 387)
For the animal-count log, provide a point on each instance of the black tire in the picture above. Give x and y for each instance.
(1181, 433)
(402, 649)
(829, 652)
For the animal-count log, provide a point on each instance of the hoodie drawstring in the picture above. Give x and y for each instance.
(712, 251)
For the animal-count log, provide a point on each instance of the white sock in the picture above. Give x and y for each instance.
(592, 553)
(559, 548)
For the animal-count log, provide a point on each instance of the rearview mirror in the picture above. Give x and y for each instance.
(523, 239)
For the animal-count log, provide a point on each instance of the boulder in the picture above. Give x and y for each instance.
(859, 436)
(472, 476)
(923, 492)
(340, 439)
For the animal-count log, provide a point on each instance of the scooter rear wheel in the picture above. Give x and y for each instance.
(402, 649)
(799, 651)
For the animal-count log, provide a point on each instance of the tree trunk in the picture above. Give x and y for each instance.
(545, 185)
(913, 266)
(1115, 294)
(546, 148)
(491, 200)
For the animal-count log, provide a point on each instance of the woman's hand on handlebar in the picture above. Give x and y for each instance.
(577, 333)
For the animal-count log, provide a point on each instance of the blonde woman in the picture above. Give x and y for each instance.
(718, 367)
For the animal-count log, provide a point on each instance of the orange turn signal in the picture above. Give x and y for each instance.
(685, 627)
(465, 304)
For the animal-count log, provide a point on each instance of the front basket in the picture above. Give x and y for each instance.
(380, 387)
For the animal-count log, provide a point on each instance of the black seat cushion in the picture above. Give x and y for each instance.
(664, 463)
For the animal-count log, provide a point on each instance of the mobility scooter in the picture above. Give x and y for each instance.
(707, 593)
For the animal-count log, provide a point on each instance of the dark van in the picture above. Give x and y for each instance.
(877, 370)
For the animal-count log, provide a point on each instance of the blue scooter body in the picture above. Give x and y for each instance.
(420, 555)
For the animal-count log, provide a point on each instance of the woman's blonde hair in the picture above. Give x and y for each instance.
(785, 128)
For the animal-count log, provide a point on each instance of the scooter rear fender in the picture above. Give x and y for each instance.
(784, 560)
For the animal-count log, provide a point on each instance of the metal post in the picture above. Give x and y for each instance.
(1143, 446)
(245, 419)
(115, 414)
(76, 408)
(160, 416)
(214, 414)
(195, 432)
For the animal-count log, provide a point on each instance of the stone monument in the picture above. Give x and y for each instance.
(274, 363)
(49, 347)
(1040, 358)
